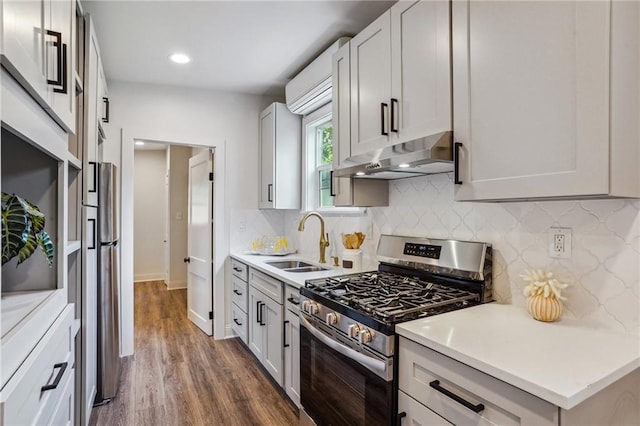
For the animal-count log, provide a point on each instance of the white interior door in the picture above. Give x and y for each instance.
(200, 235)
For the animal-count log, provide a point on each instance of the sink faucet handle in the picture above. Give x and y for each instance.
(327, 239)
(336, 260)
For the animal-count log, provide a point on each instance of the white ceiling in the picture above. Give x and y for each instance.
(240, 46)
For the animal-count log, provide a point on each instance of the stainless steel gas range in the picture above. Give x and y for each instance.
(348, 362)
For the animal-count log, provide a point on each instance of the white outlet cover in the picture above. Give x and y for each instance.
(560, 254)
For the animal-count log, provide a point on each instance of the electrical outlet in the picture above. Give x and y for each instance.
(560, 243)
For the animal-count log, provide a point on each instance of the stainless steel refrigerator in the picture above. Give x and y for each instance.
(108, 285)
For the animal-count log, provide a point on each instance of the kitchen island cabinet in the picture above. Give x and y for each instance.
(546, 114)
(499, 366)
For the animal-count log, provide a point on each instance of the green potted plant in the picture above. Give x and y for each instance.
(23, 230)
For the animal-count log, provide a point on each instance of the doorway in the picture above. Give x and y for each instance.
(172, 223)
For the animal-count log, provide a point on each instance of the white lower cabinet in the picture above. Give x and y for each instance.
(240, 299)
(41, 390)
(431, 384)
(414, 413)
(292, 356)
(265, 329)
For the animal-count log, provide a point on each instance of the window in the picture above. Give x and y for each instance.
(318, 147)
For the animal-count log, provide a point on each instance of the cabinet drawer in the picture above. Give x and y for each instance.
(239, 322)
(411, 412)
(422, 368)
(239, 269)
(239, 293)
(266, 284)
(292, 296)
(23, 399)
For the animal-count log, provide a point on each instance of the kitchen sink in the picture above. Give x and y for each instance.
(309, 268)
(289, 264)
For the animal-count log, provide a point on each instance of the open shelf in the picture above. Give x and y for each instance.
(74, 162)
(73, 246)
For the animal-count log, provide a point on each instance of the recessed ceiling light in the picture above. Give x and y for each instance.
(139, 143)
(180, 58)
(360, 174)
(403, 165)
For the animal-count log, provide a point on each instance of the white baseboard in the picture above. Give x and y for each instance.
(176, 285)
(148, 277)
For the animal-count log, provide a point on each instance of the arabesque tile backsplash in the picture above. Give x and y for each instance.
(603, 271)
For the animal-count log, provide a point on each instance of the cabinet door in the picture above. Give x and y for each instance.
(267, 147)
(23, 44)
(531, 104)
(92, 104)
(420, 70)
(292, 356)
(61, 18)
(411, 412)
(371, 86)
(273, 351)
(88, 364)
(256, 329)
(341, 117)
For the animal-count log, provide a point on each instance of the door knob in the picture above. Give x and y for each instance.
(187, 260)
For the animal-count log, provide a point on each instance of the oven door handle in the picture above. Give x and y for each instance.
(372, 364)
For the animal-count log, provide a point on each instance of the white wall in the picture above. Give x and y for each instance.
(226, 121)
(149, 215)
(178, 223)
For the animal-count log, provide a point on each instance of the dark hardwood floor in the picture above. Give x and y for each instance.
(180, 376)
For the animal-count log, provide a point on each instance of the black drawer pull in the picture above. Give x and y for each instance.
(62, 366)
(237, 292)
(475, 408)
(235, 268)
(292, 300)
(237, 322)
(399, 418)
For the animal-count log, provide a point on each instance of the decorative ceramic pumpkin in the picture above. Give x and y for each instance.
(547, 309)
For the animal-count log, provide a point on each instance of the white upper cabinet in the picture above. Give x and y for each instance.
(400, 76)
(37, 49)
(279, 157)
(420, 70)
(545, 99)
(371, 86)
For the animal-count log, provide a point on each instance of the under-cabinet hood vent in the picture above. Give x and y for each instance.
(423, 156)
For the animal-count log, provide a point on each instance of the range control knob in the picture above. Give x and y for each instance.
(354, 330)
(331, 318)
(365, 336)
(312, 308)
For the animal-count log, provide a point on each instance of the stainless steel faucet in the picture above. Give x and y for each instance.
(324, 238)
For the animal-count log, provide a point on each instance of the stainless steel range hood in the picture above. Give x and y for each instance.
(427, 155)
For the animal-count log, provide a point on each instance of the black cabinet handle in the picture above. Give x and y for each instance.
(383, 109)
(105, 119)
(62, 64)
(237, 292)
(269, 192)
(237, 322)
(235, 268)
(262, 305)
(399, 417)
(475, 408)
(284, 334)
(92, 246)
(187, 260)
(294, 301)
(94, 178)
(62, 366)
(456, 163)
(258, 312)
(394, 124)
(333, 194)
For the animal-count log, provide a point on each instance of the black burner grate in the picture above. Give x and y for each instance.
(392, 298)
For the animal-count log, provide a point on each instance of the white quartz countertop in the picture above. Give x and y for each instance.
(295, 279)
(564, 362)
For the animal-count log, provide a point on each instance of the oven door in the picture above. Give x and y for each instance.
(337, 389)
